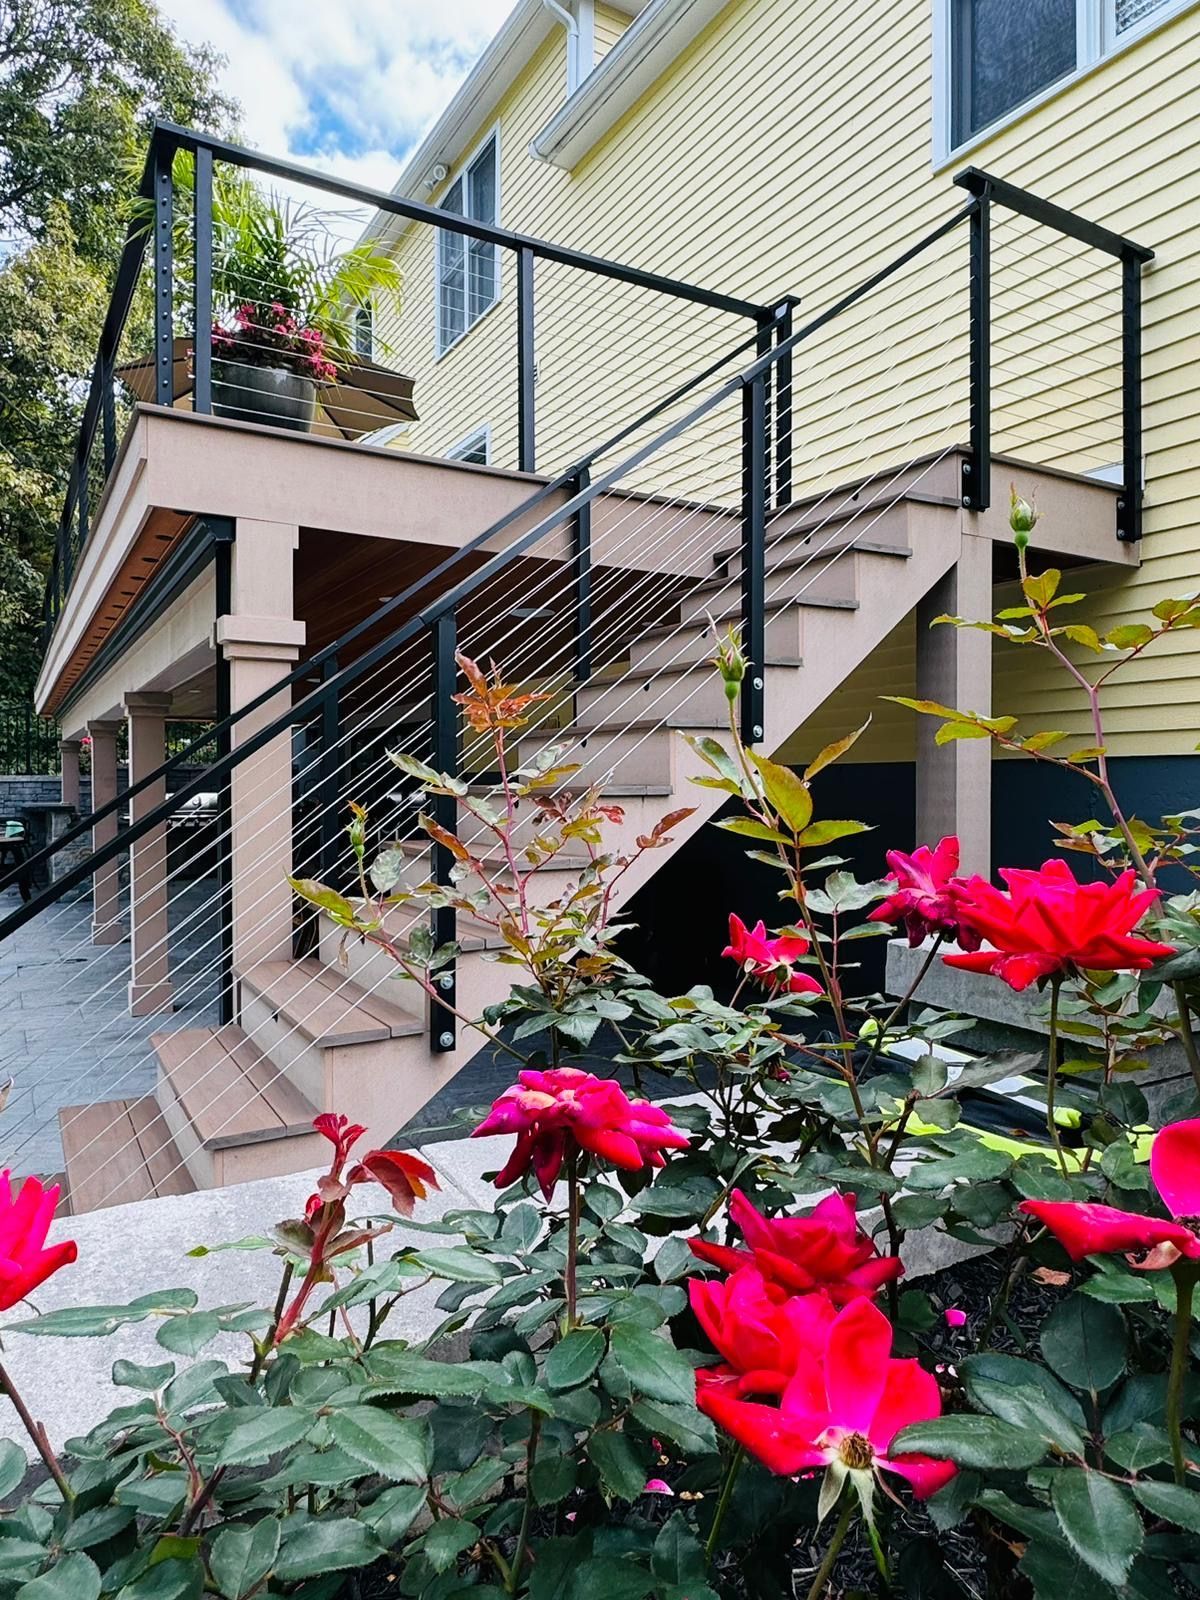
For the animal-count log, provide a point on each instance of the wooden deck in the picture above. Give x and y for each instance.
(117, 1151)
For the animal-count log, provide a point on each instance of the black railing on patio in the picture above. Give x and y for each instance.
(28, 742)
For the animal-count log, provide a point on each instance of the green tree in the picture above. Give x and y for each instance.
(80, 83)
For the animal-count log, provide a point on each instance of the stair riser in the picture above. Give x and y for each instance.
(545, 887)
(301, 1062)
(821, 578)
(695, 643)
(638, 815)
(698, 694)
(625, 757)
(366, 963)
(876, 519)
(197, 1159)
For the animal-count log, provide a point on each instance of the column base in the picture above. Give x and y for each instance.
(146, 999)
(108, 932)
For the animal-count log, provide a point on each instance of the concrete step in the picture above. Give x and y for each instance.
(877, 516)
(116, 1151)
(678, 643)
(233, 1115)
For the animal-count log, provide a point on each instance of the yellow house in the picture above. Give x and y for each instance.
(770, 148)
(696, 327)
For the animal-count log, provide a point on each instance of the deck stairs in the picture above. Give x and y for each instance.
(341, 1030)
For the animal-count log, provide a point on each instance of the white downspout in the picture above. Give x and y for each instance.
(577, 70)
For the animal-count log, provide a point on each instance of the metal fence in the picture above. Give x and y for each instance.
(28, 743)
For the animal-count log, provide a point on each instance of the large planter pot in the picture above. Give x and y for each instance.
(246, 393)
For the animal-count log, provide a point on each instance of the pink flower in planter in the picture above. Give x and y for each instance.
(658, 1486)
(924, 897)
(954, 1317)
(769, 960)
(1050, 923)
(564, 1109)
(841, 1406)
(25, 1218)
(1148, 1243)
(824, 1250)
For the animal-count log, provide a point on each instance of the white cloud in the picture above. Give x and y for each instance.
(348, 87)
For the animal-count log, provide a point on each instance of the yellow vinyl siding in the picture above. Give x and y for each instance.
(608, 27)
(789, 150)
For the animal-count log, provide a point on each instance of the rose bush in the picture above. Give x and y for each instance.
(679, 1357)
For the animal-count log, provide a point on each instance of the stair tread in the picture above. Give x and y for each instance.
(732, 613)
(231, 1093)
(117, 1151)
(674, 669)
(803, 557)
(325, 1007)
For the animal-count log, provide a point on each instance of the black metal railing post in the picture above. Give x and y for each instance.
(202, 225)
(977, 464)
(1129, 506)
(444, 810)
(784, 326)
(755, 467)
(164, 330)
(582, 540)
(526, 364)
(108, 419)
(223, 577)
(327, 772)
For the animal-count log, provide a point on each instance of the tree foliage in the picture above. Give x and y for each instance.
(80, 83)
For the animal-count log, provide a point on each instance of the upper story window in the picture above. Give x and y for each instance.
(1003, 54)
(364, 335)
(468, 270)
(475, 448)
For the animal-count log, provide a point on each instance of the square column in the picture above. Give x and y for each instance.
(149, 986)
(260, 642)
(68, 750)
(954, 667)
(106, 923)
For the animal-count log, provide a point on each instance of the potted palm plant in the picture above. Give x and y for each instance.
(285, 296)
(285, 301)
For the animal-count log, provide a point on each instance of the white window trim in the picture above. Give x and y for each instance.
(1097, 42)
(472, 441)
(440, 349)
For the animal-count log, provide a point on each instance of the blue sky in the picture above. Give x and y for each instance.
(347, 85)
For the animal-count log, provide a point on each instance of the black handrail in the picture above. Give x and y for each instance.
(988, 190)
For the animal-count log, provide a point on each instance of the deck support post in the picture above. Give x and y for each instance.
(260, 641)
(68, 755)
(954, 667)
(149, 964)
(106, 918)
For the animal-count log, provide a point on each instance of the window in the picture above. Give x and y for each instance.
(475, 448)
(1001, 54)
(364, 337)
(468, 275)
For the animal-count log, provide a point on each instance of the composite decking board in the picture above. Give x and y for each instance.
(324, 1007)
(229, 1091)
(104, 1147)
(292, 1111)
(211, 1088)
(163, 1163)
